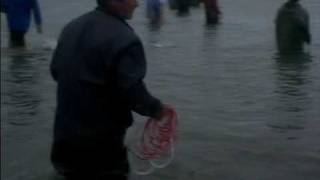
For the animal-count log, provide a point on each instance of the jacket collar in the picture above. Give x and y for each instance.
(110, 13)
(113, 14)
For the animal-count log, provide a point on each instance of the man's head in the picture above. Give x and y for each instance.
(123, 8)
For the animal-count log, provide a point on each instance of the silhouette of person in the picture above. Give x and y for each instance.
(212, 11)
(99, 66)
(155, 11)
(292, 27)
(19, 18)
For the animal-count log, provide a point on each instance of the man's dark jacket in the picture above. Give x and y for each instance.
(99, 65)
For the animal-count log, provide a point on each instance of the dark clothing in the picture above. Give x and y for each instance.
(111, 177)
(17, 38)
(19, 13)
(195, 3)
(94, 161)
(99, 66)
(212, 11)
(292, 28)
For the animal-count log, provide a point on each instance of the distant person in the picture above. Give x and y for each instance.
(212, 11)
(183, 6)
(19, 18)
(155, 11)
(195, 3)
(99, 66)
(172, 4)
(292, 27)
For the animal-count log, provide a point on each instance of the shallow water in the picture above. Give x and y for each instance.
(245, 112)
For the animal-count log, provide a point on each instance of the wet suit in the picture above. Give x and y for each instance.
(19, 18)
(99, 66)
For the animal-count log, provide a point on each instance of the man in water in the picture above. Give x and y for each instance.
(212, 11)
(19, 18)
(99, 66)
(292, 27)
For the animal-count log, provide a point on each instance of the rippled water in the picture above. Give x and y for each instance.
(245, 111)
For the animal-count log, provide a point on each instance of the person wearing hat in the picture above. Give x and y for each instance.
(292, 27)
(99, 66)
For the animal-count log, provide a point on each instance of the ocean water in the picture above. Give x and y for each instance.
(245, 112)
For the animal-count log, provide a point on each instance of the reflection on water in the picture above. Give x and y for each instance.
(21, 99)
(292, 81)
(209, 36)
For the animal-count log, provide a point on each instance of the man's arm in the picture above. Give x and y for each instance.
(131, 70)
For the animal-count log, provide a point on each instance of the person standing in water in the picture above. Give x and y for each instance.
(99, 66)
(19, 18)
(155, 11)
(212, 11)
(183, 7)
(292, 27)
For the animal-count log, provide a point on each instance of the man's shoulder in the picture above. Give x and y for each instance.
(100, 20)
(116, 24)
(101, 29)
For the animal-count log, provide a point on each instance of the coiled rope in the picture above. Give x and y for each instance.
(156, 142)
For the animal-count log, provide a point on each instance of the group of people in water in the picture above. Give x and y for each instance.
(155, 9)
(292, 20)
(292, 27)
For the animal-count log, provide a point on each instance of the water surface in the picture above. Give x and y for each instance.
(246, 113)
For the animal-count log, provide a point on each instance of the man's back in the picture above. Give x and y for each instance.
(90, 104)
(99, 66)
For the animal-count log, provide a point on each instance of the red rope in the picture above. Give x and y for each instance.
(158, 136)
